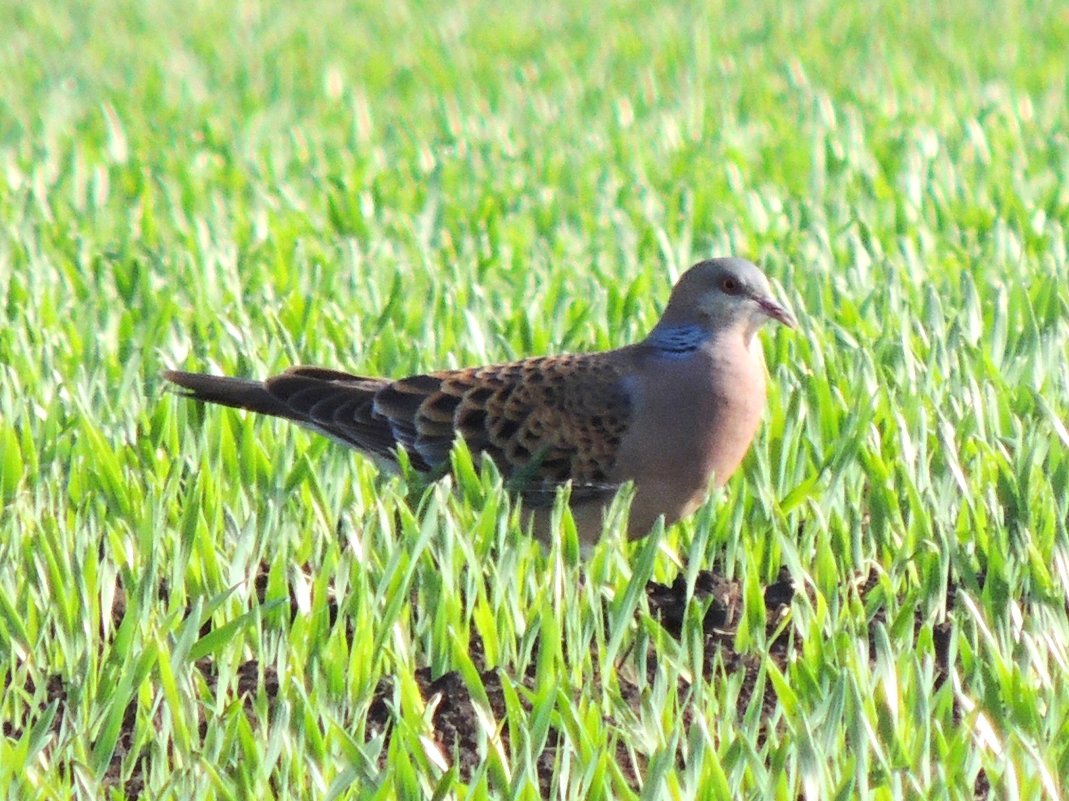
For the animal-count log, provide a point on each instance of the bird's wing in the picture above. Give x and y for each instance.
(543, 421)
(337, 404)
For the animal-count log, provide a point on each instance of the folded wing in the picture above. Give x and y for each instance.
(543, 421)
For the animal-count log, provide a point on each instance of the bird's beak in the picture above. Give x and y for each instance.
(776, 311)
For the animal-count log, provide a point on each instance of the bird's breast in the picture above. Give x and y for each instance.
(693, 421)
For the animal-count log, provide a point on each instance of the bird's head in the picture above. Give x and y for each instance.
(724, 295)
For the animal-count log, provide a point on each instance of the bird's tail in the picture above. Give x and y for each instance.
(241, 393)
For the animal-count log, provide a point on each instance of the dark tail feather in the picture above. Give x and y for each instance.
(241, 393)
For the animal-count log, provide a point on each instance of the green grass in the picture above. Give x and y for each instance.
(244, 186)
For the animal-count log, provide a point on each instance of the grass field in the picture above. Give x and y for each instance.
(198, 604)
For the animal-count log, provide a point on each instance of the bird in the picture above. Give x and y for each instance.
(673, 414)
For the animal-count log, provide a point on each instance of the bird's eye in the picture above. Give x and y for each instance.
(730, 285)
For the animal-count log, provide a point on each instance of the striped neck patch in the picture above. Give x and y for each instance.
(677, 340)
